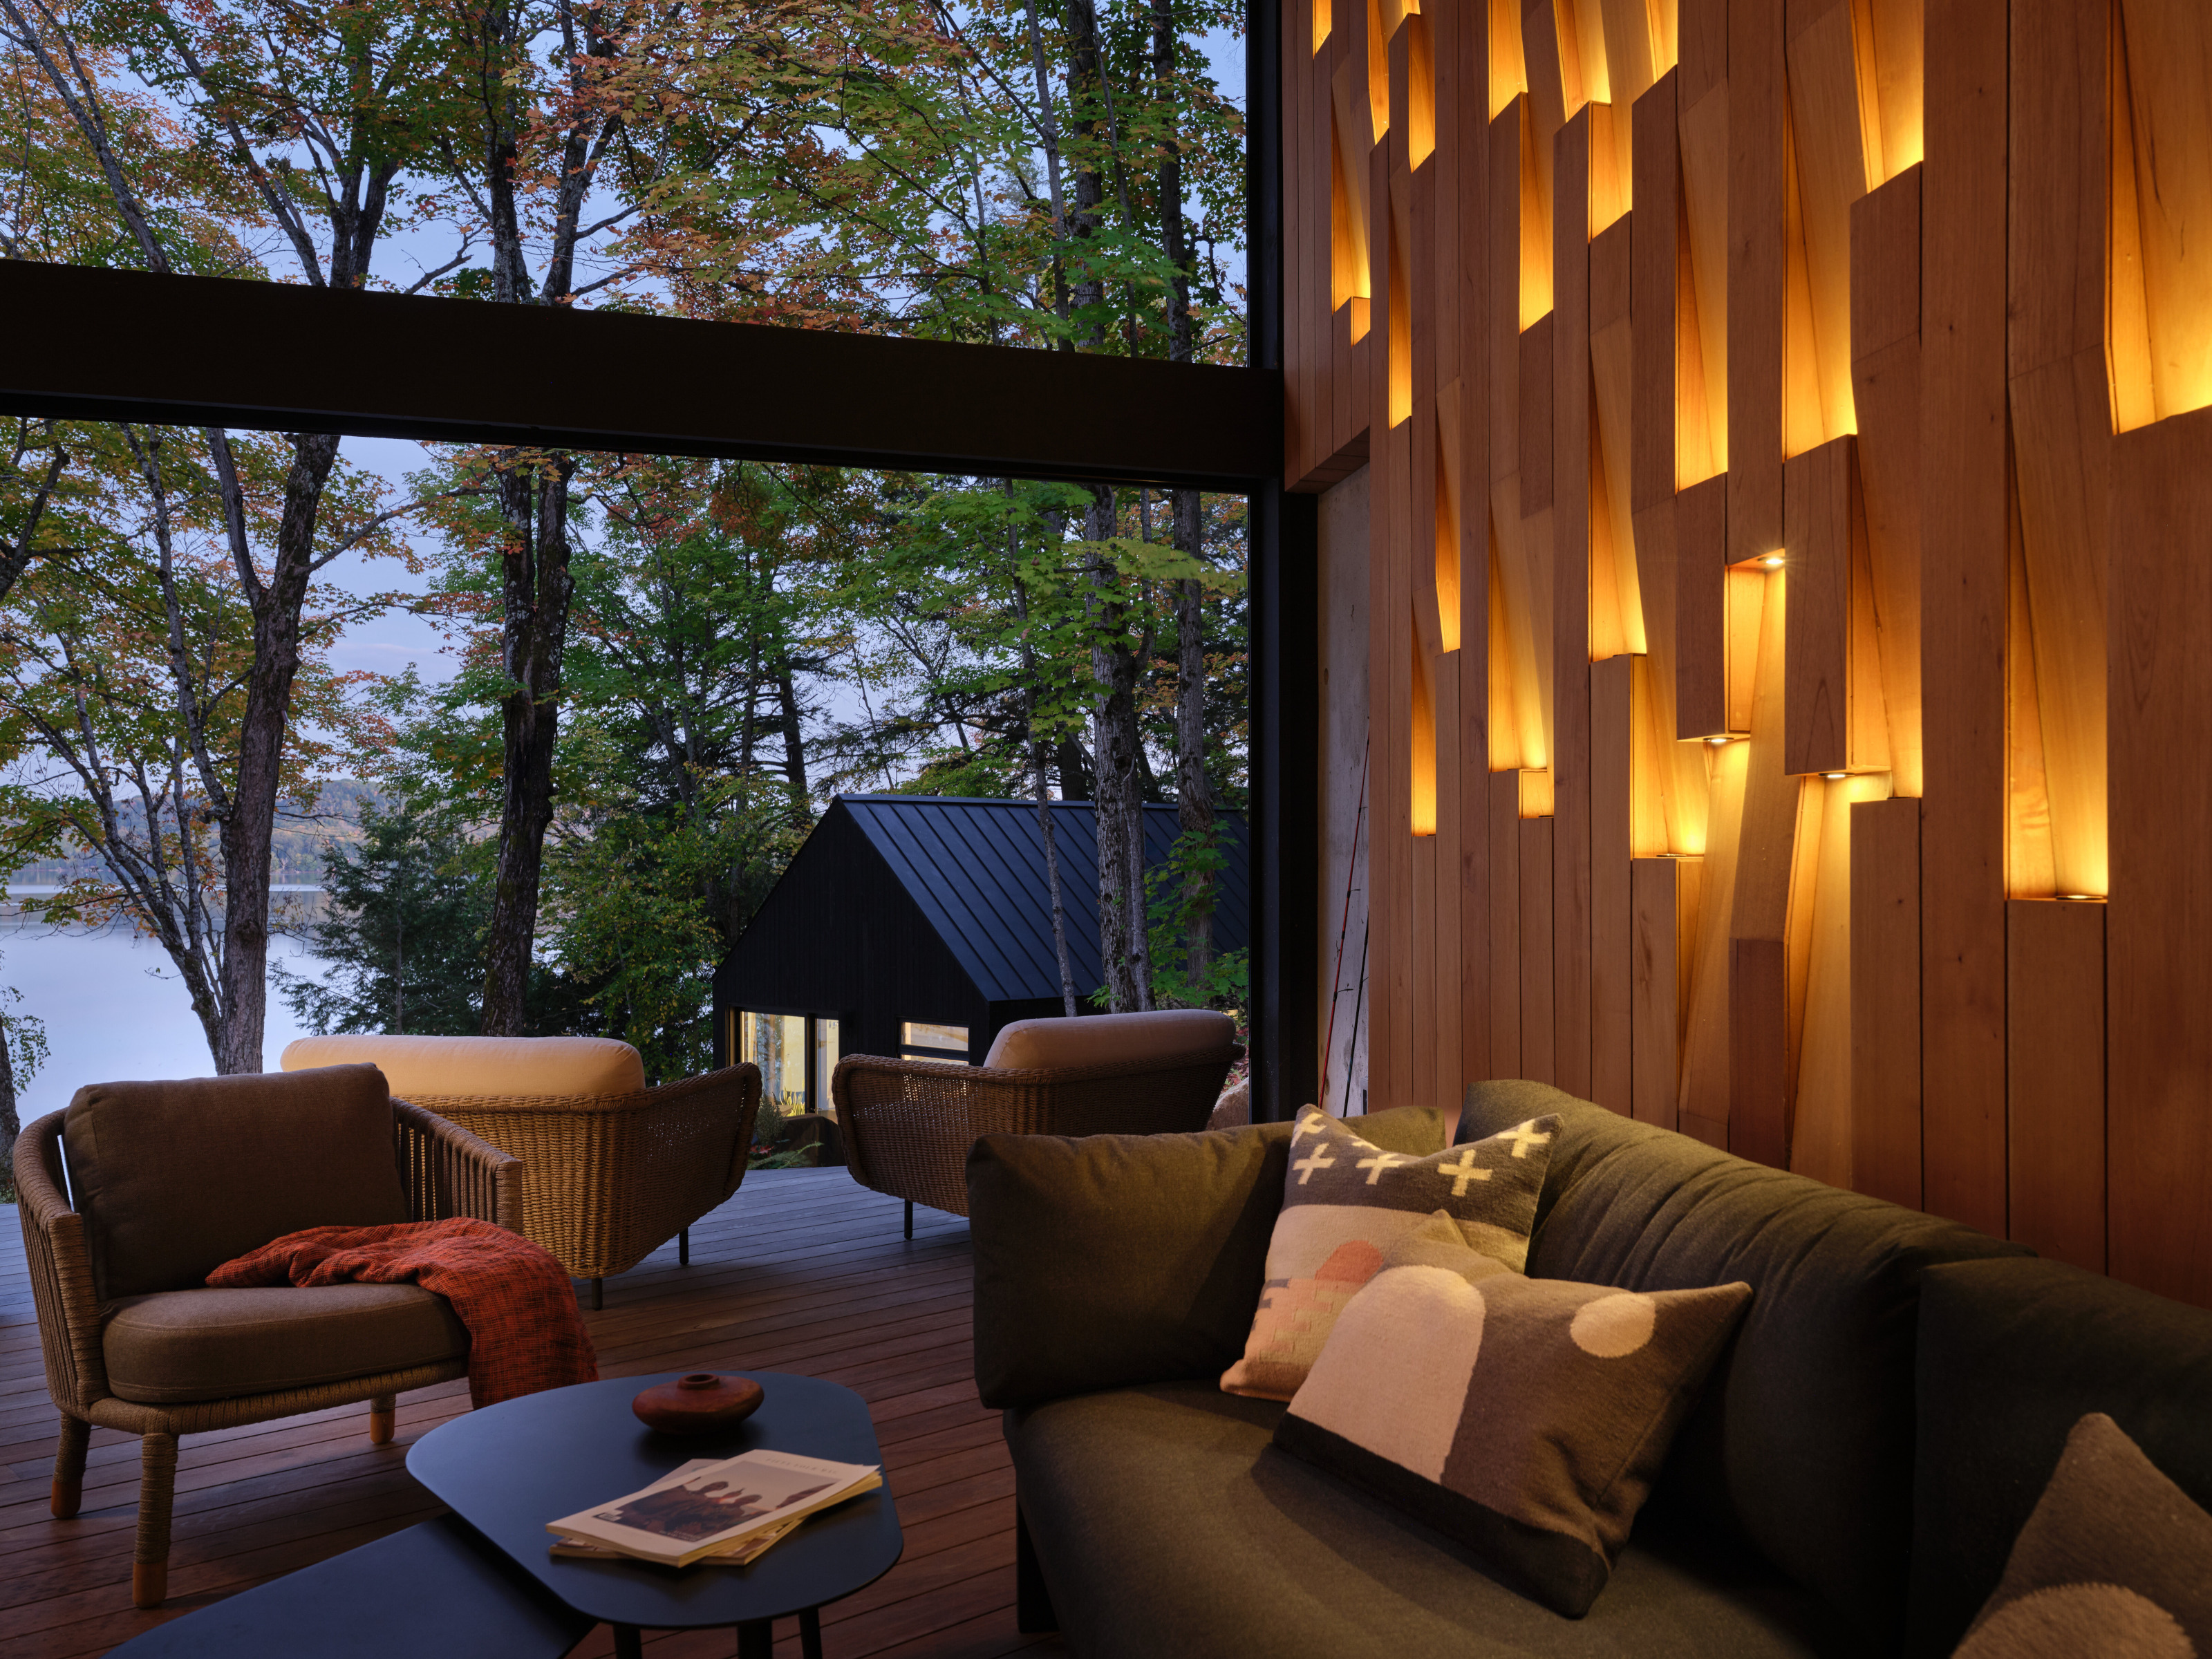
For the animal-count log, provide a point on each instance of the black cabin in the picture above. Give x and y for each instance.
(919, 925)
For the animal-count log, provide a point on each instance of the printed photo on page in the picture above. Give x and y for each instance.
(680, 1518)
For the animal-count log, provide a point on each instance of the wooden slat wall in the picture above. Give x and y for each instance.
(1789, 479)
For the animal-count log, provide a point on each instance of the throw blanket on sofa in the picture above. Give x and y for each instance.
(524, 1332)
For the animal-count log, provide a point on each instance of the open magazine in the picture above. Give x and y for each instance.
(715, 1509)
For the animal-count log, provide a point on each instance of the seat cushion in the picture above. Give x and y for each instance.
(416, 1066)
(181, 1345)
(1165, 1522)
(1814, 1396)
(176, 1178)
(1110, 1039)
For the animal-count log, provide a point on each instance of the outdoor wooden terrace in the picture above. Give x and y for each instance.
(802, 1271)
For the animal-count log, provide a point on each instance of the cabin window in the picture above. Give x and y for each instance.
(919, 1039)
(796, 1054)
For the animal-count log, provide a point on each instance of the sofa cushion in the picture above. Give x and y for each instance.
(1115, 1259)
(1803, 1440)
(2115, 1559)
(2013, 1353)
(181, 1345)
(563, 1067)
(1165, 1523)
(176, 1178)
(1346, 1201)
(1110, 1039)
(1525, 1417)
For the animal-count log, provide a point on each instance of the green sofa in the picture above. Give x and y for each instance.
(1850, 1482)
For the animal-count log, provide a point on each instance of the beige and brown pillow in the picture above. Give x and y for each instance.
(2114, 1560)
(1525, 1417)
(1346, 1202)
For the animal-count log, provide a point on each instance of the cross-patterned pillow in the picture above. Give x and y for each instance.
(1346, 1202)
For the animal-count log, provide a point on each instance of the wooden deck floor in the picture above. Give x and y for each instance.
(802, 1271)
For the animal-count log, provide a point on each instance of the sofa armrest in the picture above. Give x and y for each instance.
(1116, 1260)
(447, 1171)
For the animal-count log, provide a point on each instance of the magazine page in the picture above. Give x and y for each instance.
(740, 1552)
(683, 1517)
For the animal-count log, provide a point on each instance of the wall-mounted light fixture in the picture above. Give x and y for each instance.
(1720, 743)
(1772, 561)
(1835, 777)
(2081, 898)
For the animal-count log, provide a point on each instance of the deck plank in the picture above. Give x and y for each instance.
(802, 1271)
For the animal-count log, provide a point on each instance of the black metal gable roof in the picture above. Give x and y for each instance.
(976, 869)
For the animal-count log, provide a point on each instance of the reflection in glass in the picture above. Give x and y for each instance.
(825, 1061)
(925, 1041)
(777, 1044)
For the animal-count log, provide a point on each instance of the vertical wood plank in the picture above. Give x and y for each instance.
(2158, 973)
(1571, 607)
(1964, 512)
(1701, 610)
(2055, 980)
(1756, 276)
(1662, 896)
(2061, 406)
(1538, 1030)
(1655, 256)
(1823, 709)
(1504, 885)
(1612, 703)
(1759, 1062)
(1886, 391)
(1886, 1000)
(1705, 1062)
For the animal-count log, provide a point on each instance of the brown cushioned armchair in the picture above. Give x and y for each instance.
(611, 1170)
(908, 1124)
(138, 1192)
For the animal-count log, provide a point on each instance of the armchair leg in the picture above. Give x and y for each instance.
(909, 1218)
(684, 1248)
(69, 1466)
(598, 1294)
(382, 1412)
(157, 1493)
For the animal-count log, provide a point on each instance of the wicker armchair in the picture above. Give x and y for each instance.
(97, 1268)
(908, 1123)
(609, 1174)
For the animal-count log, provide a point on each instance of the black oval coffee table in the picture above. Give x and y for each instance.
(509, 1469)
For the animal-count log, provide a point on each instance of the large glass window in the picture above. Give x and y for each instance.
(796, 1054)
(920, 1040)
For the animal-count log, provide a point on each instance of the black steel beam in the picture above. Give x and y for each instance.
(86, 344)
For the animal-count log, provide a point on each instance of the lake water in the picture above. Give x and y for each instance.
(115, 1009)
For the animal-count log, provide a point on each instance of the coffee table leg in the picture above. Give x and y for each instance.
(629, 1645)
(809, 1633)
(757, 1639)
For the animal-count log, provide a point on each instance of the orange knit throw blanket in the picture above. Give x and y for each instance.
(524, 1332)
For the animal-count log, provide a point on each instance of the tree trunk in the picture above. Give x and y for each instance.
(794, 749)
(10, 1125)
(1118, 792)
(535, 586)
(248, 831)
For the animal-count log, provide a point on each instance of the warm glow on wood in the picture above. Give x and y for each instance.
(1420, 92)
(1748, 589)
(1536, 230)
(1400, 317)
(1509, 72)
(1447, 549)
(1378, 71)
(1347, 188)
(1582, 42)
(1536, 794)
(1424, 739)
(1324, 19)
(2167, 44)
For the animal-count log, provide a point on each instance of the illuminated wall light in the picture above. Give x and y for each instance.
(2081, 898)
(1835, 777)
(1720, 743)
(1772, 561)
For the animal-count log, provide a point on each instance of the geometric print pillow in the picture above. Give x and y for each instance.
(1525, 1417)
(2116, 1560)
(1346, 1202)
